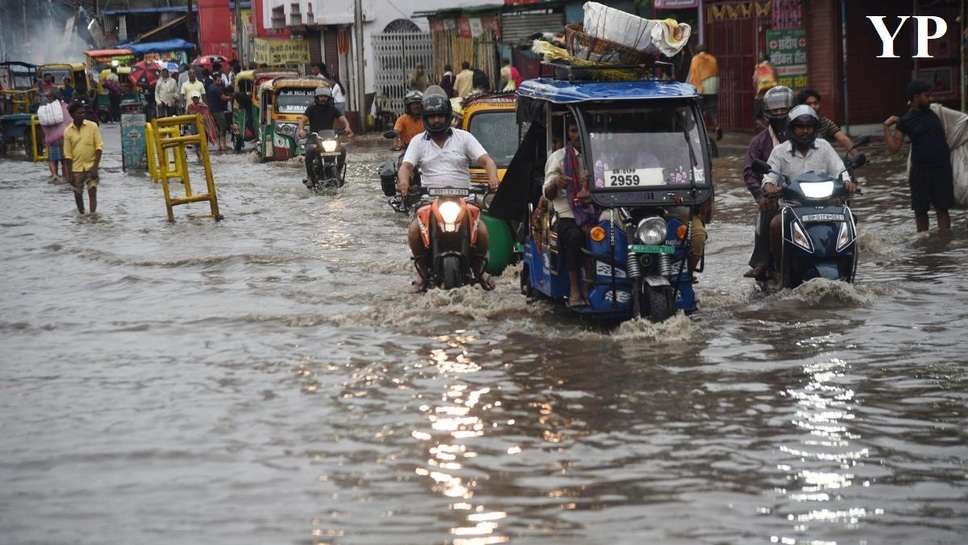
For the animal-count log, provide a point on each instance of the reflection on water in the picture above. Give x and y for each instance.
(271, 379)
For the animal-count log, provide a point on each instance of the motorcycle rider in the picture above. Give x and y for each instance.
(444, 155)
(411, 123)
(776, 105)
(322, 116)
(802, 152)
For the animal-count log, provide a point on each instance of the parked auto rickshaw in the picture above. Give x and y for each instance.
(73, 72)
(492, 119)
(282, 103)
(18, 94)
(646, 163)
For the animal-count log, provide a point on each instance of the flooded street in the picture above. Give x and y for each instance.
(270, 379)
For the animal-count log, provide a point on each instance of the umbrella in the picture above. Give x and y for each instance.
(206, 61)
(145, 69)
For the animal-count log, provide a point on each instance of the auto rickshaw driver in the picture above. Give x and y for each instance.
(444, 155)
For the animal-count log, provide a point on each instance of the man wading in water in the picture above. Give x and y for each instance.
(82, 150)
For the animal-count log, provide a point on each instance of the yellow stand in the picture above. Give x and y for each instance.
(175, 161)
(165, 135)
(40, 152)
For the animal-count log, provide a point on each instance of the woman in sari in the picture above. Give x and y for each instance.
(196, 106)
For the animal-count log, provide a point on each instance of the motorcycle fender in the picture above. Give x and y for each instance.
(657, 281)
(423, 220)
(475, 219)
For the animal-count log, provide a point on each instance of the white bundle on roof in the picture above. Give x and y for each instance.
(650, 36)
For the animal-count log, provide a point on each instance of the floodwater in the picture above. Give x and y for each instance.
(270, 379)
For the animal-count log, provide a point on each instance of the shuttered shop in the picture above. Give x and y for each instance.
(516, 27)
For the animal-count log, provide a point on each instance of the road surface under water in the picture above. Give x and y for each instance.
(270, 379)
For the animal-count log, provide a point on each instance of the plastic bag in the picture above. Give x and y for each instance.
(50, 114)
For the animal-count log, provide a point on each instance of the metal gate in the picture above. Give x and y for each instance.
(396, 54)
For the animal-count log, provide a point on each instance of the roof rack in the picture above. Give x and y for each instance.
(497, 96)
(657, 70)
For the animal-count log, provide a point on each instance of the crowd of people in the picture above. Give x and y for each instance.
(467, 82)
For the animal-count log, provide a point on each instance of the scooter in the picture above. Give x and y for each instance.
(818, 229)
(327, 169)
(389, 182)
(448, 229)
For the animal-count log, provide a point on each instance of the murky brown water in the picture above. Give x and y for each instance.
(269, 379)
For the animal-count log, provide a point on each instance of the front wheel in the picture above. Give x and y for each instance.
(659, 302)
(450, 272)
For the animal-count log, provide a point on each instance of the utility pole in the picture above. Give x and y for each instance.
(238, 30)
(360, 83)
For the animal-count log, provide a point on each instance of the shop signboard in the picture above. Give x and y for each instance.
(788, 54)
(276, 52)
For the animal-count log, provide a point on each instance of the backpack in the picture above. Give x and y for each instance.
(50, 114)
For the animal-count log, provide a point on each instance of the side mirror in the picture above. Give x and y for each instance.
(859, 161)
(760, 167)
(390, 135)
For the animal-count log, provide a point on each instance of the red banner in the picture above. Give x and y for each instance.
(464, 28)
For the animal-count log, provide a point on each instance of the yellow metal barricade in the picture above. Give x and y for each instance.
(150, 152)
(165, 133)
(174, 158)
(36, 140)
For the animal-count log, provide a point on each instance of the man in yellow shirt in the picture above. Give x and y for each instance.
(464, 82)
(82, 150)
(704, 76)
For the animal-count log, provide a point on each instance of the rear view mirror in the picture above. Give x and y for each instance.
(390, 135)
(760, 167)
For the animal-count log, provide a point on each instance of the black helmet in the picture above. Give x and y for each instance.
(434, 105)
(800, 116)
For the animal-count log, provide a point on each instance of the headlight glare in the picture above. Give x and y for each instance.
(449, 211)
(651, 231)
(329, 146)
(817, 190)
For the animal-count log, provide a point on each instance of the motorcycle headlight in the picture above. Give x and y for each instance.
(329, 146)
(651, 231)
(449, 211)
(817, 190)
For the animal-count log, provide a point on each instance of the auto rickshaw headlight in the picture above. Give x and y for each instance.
(329, 146)
(651, 231)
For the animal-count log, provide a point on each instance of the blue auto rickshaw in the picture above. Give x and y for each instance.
(648, 179)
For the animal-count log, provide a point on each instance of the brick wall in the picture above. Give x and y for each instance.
(824, 53)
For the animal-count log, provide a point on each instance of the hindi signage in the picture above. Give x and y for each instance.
(276, 52)
(788, 54)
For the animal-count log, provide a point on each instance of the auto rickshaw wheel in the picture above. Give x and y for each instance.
(659, 302)
(525, 277)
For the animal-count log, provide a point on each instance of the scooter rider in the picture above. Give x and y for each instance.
(776, 105)
(411, 123)
(322, 116)
(444, 155)
(803, 152)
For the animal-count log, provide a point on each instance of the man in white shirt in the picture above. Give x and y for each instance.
(571, 239)
(191, 87)
(166, 94)
(444, 155)
(802, 152)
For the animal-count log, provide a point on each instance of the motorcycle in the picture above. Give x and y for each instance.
(389, 182)
(448, 228)
(327, 169)
(818, 228)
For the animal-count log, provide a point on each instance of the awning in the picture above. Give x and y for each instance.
(245, 4)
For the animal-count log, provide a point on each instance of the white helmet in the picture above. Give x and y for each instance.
(323, 91)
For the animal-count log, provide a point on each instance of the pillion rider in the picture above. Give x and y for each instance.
(444, 155)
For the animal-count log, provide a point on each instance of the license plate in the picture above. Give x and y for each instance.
(648, 249)
(633, 177)
(809, 218)
(447, 192)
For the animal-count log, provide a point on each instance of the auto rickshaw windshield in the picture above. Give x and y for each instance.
(58, 74)
(294, 101)
(645, 145)
(497, 132)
